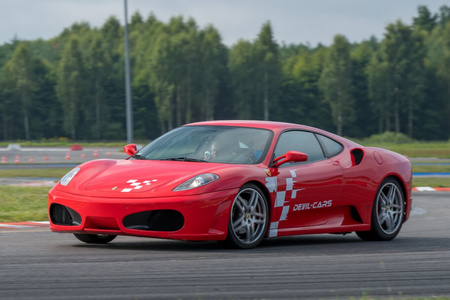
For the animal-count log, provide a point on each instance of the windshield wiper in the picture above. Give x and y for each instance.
(138, 156)
(184, 158)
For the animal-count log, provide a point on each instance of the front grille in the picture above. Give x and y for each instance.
(155, 220)
(63, 215)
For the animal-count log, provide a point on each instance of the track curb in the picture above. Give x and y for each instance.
(431, 189)
(25, 225)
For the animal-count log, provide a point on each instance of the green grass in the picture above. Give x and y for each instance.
(431, 181)
(402, 144)
(431, 168)
(49, 173)
(18, 204)
(415, 149)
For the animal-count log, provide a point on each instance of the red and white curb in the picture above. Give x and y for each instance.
(24, 225)
(431, 189)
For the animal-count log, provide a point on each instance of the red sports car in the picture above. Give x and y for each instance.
(236, 182)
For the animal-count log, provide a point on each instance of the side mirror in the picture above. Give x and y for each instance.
(290, 157)
(130, 149)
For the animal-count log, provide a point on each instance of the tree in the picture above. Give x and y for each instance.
(98, 64)
(300, 100)
(438, 57)
(21, 73)
(268, 63)
(244, 84)
(444, 14)
(379, 87)
(114, 82)
(161, 82)
(335, 82)
(71, 85)
(146, 120)
(404, 52)
(213, 65)
(425, 20)
(6, 100)
(364, 120)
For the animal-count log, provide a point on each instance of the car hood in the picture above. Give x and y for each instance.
(131, 178)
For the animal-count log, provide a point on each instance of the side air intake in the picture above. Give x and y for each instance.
(357, 156)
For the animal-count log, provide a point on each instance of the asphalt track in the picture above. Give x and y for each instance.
(38, 264)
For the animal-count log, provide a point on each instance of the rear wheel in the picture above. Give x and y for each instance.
(387, 212)
(95, 238)
(249, 218)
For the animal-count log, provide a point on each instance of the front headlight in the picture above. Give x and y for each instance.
(196, 181)
(68, 177)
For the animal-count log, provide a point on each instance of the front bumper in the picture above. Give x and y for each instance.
(198, 217)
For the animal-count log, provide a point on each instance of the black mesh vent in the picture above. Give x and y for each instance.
(155, 220)
(63, 215)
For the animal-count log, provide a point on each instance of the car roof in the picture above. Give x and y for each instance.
(252, 123)
(275, 126)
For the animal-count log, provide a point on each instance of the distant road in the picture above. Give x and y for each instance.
(58, 155)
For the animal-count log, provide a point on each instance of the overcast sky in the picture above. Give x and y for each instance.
(293, 21)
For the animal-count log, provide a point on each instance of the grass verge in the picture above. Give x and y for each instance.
(431, 168)
(416, 149)
(431, 181)
(35, 173)
(19, 204)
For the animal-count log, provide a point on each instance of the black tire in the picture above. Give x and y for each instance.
(249, 218)
(95, 238)
(387, 212)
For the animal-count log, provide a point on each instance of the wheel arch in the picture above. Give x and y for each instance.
(266, 194)
(402, 184)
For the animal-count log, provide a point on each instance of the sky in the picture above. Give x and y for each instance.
(293, 21)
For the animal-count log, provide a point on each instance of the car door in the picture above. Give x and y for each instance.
(307, 191)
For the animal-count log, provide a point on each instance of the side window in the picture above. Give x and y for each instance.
(332, 147)
(301, 141)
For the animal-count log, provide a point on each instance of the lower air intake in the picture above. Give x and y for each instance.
(63, 215)
(155, 220)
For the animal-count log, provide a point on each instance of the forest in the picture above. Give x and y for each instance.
(73, 85)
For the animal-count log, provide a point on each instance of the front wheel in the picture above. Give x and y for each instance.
(249, 218)
(387, 212)
(95, 238)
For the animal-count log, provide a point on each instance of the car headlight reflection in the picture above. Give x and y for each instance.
(196, 181)
(68, 177)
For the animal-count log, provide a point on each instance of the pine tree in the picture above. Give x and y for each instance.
(71, 85)
(335, 82)
(268, 63)
(21, 73)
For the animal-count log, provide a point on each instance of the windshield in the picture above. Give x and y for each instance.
(220, 144)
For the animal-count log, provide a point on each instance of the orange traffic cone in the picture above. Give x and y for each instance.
(95, 153)
(3, 159)
(46, 158)
(83, 155)
(68, 155)
(17, 161)
(31, 160)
